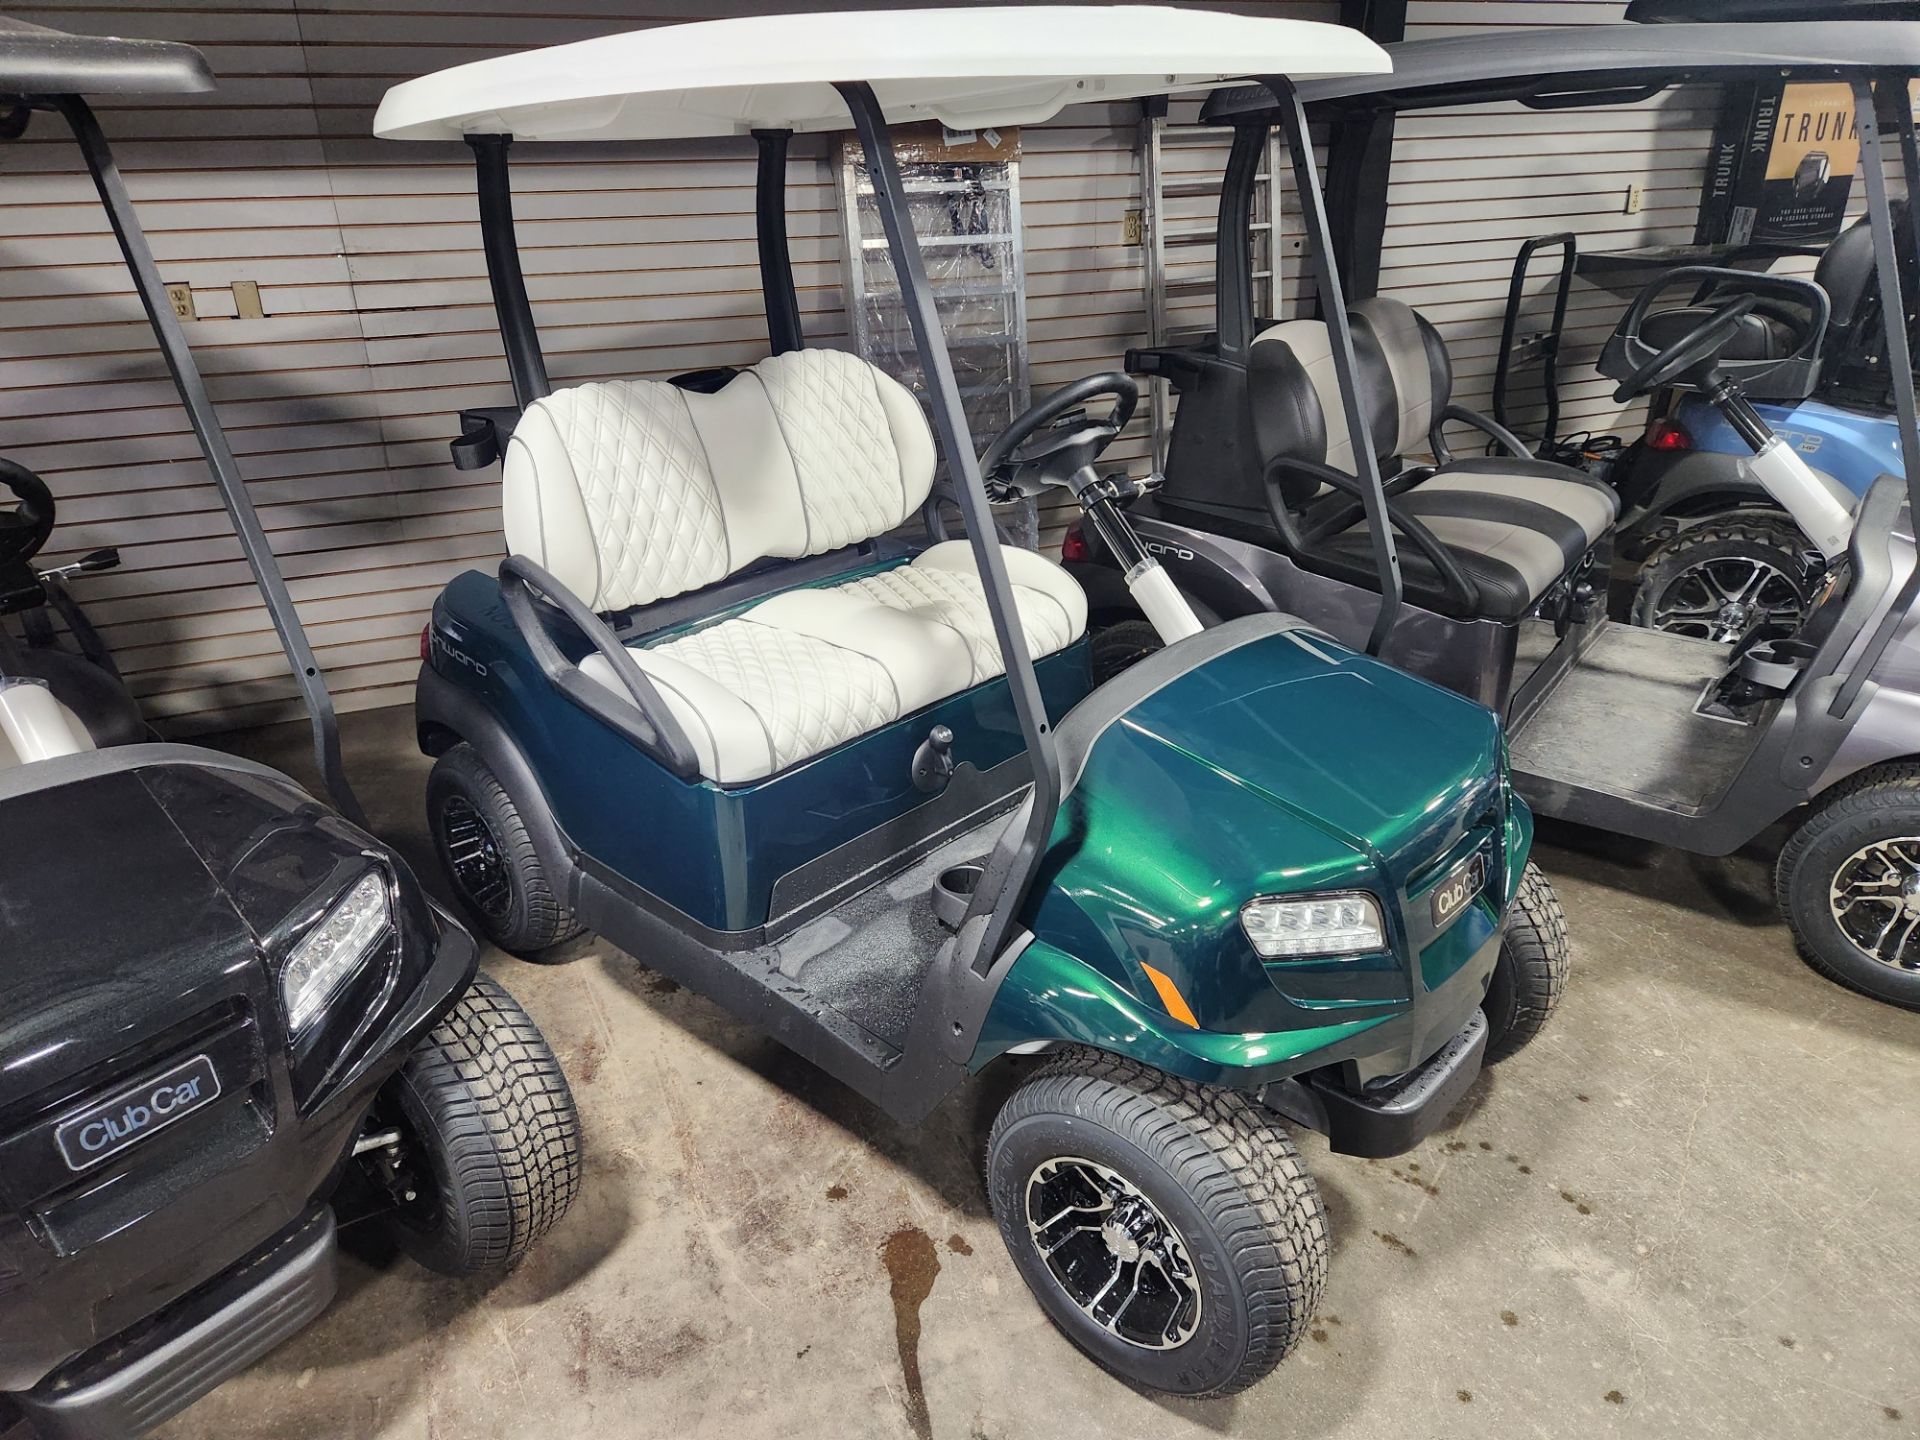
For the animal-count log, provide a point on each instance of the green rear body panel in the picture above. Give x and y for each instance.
(1287, 765)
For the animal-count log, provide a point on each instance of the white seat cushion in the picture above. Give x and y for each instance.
(806, 670)
(942, 586)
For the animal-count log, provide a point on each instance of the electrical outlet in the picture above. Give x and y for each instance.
(181, 297)
(1633, 201)
(246, 300)
(1132, 224)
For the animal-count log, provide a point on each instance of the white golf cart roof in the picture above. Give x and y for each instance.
(966, 67)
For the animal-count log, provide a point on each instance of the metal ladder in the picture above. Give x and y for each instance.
(1162, 138)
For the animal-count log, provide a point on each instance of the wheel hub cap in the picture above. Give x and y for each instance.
(1113, 1253)
(1875, 900)
(1728, 599)
(473, 855)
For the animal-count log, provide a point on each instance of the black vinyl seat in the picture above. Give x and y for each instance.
(1479, 537)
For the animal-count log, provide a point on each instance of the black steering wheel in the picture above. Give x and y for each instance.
(1699, 347)
(25, 528)
(1054, 441)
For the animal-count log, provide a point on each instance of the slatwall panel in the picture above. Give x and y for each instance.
(1470, 185)
(379, 327)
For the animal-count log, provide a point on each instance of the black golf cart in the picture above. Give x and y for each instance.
(859, 789)
(1487, 573)
(227, 1013)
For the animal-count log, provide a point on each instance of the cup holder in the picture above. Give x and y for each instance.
(953, 892)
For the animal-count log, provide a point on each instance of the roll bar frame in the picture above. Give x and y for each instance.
(212, 438)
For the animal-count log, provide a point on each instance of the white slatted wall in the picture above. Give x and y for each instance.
(379, 327)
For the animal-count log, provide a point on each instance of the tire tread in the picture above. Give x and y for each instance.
(1238, 1165)
(504, 1117)
(543, 918)
(1537, 940)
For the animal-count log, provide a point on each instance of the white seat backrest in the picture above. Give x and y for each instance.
(631, 491)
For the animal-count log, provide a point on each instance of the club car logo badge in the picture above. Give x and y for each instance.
(107, 1128)
(1453, 894)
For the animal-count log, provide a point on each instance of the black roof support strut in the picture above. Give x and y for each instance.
(213, 444)
(1893, 311)
(1333, 311)
(525, 363)
(1011, 869)
(770, 228)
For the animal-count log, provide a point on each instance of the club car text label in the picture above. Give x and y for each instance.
(107, 1128)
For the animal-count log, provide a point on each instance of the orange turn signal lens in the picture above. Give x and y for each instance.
(1170, 996)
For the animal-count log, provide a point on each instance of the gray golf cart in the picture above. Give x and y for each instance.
(1487, 573)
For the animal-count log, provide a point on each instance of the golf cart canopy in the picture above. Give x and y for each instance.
(37, 61)
(1610, 62)
(1667, 12)
(965, 67)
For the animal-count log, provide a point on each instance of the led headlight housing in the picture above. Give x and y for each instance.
(1300, 927)
(334, 949)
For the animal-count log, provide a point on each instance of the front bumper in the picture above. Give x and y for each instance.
(127, 1386)
(1389, 1117)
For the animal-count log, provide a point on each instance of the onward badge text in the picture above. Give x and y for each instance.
(110, 1126)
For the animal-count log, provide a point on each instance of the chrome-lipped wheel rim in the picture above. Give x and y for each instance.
(1113, 1253)
(473, 854)
(1875, 900)
(1728, 599)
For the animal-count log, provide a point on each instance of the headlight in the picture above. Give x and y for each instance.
(1293, 927)
(335, 948)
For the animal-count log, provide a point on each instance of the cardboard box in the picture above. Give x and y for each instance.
(1781, 167)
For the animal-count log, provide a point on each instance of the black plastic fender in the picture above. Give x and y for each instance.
(444, 715)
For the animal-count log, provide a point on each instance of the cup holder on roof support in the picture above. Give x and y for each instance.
(953, 892)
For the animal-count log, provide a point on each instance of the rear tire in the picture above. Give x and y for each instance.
(489, 855)
(1531, 973)
(1121, 646)
(1694, 584)
(490, 1138)
(1226, 1222)
(1851, 869)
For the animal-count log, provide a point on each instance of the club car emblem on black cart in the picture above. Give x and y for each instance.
(104, 1129)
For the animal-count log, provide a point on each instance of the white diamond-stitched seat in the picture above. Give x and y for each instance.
(634, 491)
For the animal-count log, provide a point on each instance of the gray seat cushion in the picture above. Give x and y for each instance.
(1515, 527)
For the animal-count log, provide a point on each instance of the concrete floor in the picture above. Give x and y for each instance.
(1689, 1210)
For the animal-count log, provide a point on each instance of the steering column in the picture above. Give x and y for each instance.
(1056, 443)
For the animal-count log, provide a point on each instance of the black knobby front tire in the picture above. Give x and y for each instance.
(1218, 1168)
(1692, 569)
(1120, 646)
(1878, 805)
(489, 1135)
(1531, 973)
(489, 855)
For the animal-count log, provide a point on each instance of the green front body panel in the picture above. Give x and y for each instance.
(1288, 765)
